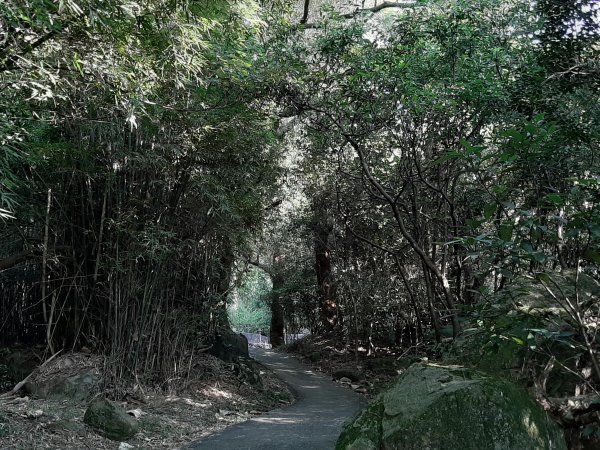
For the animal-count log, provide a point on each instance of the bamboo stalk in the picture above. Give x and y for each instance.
(47, 320)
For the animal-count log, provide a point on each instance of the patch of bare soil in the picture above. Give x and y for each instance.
(365, 372)
(207, 401)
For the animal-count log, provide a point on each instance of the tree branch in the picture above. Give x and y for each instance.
(375, 9)
(381, 7)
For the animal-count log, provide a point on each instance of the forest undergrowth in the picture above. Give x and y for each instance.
(210, 397)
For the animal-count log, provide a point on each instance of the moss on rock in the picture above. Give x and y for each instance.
(434, 407)
(110, 421)
(364, 433)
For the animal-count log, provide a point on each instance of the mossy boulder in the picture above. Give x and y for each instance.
(450, 407)
(365, 432)
(229, 346)
(76, 387)
(110, 421)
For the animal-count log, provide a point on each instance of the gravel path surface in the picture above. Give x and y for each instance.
(313, 422)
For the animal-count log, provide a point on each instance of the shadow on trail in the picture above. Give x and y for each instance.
(313, 422)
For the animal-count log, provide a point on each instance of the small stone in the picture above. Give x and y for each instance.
(125, 446)
(353, 375)
(345, 380)
(35, 414)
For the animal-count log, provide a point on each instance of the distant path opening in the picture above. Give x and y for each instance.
(263, 341)
(314, 422)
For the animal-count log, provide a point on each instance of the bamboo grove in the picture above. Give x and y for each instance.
(136, 159)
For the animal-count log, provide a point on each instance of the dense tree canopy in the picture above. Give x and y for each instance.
(394, 168)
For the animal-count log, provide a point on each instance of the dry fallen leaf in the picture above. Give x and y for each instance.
(137, 413)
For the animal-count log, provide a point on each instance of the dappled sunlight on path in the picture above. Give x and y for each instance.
(313, 422)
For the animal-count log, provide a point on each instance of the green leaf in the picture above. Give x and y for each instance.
(471, 149)
(515, 135)
(473, 223)
(489, 210)
(587, 431)
(592, 255)
(507, 274)
(518, 340)
(505, 232)
(555, 198)
(544, 277)
(526, 246)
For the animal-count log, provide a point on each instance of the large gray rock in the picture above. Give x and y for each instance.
(76, 387)
(452, 408)
(229, 346)
(110, 421)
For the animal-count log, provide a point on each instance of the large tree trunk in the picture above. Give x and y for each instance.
(276, 334)
(327, 301)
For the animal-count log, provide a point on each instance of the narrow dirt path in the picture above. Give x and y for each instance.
(313, 422)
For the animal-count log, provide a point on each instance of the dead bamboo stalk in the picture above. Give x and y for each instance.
(47, 319)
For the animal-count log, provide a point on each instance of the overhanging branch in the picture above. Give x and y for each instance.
(374, 9)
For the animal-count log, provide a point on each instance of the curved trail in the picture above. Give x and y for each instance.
(313, 422)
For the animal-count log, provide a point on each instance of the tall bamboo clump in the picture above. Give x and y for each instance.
(140, 161)
(133, 245)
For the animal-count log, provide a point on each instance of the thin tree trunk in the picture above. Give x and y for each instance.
(427, 261)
